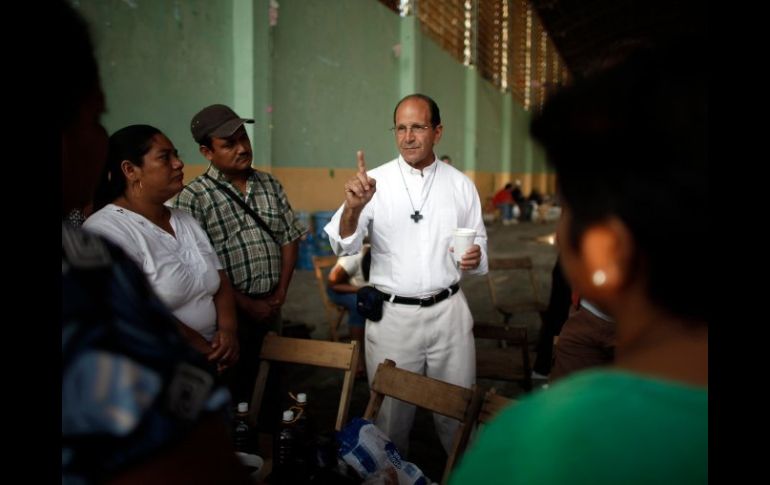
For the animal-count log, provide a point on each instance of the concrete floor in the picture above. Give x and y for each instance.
(304, 305)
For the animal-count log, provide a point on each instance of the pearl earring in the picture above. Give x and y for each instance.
(599, 277)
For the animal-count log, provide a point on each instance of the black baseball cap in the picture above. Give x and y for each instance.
(216, 120)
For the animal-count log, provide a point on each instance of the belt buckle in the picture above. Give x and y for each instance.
(430, 301)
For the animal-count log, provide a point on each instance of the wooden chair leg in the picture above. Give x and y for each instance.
(334, 325)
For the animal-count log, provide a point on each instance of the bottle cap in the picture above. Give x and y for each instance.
(288, 415)
(302, 398)
(243, 407)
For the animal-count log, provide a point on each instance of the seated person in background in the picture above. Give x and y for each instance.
(143, 171)
(630, 151)
(535, 196)
(446, 159)
(516, 193)
(503, 200)
(348, 275)
(587, 339)
(518, 199)
(530, 205)
(138, 405)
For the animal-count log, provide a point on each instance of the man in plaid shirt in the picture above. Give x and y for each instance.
(258, 249)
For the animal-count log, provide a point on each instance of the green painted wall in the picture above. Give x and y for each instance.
(335, 83)
(443, 79)
(161, 61)
(489, 108)
(519, 137)
(322, 83)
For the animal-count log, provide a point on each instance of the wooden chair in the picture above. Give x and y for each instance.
(332, 355)
(491, 406)
(502, 363)
(434, 395)
(334, 312)
(499, 272)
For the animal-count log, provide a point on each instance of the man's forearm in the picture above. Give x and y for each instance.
(224, 302)
(349, 221)
(242, 301)
(344, 288)
(288, 261)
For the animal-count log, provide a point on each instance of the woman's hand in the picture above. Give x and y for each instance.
(225, 349)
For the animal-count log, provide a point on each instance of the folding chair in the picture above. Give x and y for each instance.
(332, 355)
(502, 363)
(432, 394)
(491, 406)
(500, 272)
(334, 312)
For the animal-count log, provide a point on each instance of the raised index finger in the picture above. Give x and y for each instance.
(361, 162)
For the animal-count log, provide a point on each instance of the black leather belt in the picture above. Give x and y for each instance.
(431, 300)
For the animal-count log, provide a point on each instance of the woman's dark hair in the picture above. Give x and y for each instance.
(631, 143)
(130, 143)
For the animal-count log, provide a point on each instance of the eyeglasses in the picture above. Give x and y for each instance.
(416, 129)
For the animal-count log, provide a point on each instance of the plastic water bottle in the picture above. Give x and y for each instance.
(242, 431)
(305, 434)
(304, 421)
(285, 450)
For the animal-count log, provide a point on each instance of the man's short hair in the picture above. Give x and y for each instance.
(435, 114)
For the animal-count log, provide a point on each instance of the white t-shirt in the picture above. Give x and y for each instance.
(183, 271)
(353, 266)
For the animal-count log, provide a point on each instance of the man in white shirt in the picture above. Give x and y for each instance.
(410, 207)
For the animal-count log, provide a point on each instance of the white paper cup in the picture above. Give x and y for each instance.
(463, 240)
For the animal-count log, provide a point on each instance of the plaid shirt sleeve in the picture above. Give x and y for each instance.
(189, 201)
(293, 227)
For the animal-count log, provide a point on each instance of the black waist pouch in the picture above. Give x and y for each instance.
(369, 303)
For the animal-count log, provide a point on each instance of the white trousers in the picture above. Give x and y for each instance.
(436, 341)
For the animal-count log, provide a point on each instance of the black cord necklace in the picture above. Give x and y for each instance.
(417, 216)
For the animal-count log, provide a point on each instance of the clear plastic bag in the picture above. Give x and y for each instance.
(367, 450)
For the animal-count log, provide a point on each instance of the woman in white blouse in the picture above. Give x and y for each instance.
(143, 171)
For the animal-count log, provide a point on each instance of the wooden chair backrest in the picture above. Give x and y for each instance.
(510, 363)
(492, 405)
(432, 394)
(496, 265)
(319, 353)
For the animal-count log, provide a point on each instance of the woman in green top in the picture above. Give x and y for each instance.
(630, 151)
